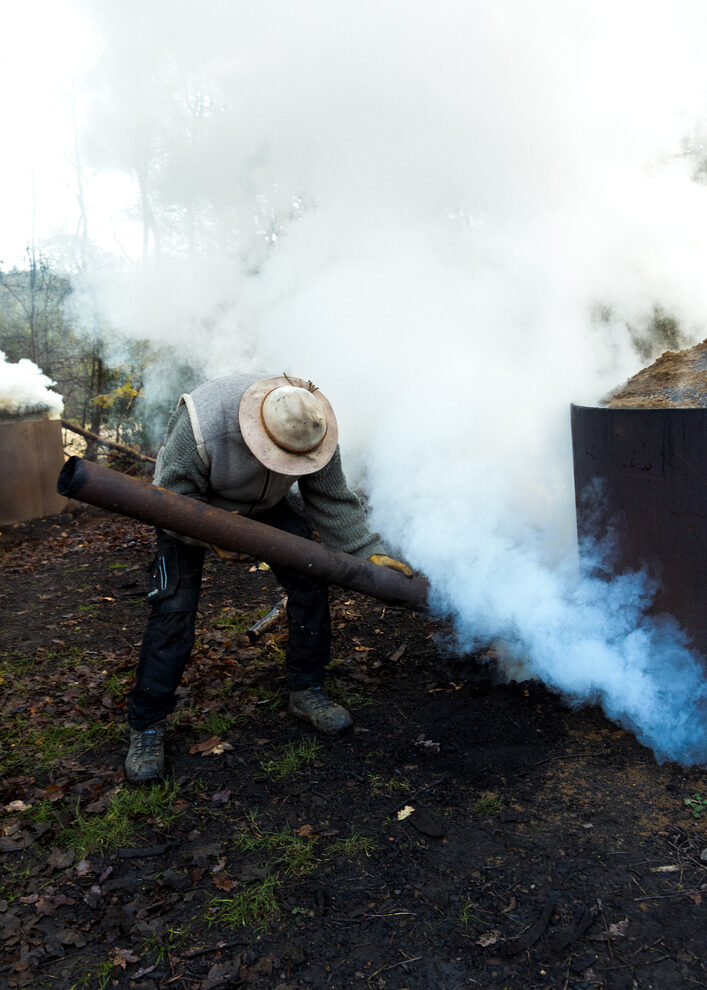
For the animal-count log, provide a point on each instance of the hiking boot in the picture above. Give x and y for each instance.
(145, 759)
(316, 707)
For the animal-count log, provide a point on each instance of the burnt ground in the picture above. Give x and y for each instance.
(546, 848)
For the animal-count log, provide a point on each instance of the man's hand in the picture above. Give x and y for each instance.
(395, 565)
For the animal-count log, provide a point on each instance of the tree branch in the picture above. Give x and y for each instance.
(123, 448)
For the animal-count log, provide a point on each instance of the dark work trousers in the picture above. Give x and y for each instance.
(175, 583)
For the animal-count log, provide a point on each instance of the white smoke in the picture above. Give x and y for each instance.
(24, 390)
(453, 217)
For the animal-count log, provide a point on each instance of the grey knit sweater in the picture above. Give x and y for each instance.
(333, 510)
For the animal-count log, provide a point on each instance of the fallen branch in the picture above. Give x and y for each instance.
(262, 625)
(122, 447)
(662, 897)
(219, 947)
(384, 969)
(531, 935)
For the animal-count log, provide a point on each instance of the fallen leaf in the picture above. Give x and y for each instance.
(60, 859)
(304, 830)
(405, 812)
(223, 881)
(17, 806)
(490, 938)
(219, 974)
(13, 843)
(617, 930)
(122, 956)
(212, 746)
(398, 653)
(52, 792)
(69, 936)
(218, 750)
(221, 797)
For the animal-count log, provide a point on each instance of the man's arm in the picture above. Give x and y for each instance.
(336, 512)
(179, 466)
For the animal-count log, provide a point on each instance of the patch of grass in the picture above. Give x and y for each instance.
(234, 621)
(272, 653)
(268, 698)
(118, 567)
(354, 845)
(26, 745)
(386, 785)
(697, 805)
(87, 609)
(68, 656)
(349, 698)
(99, 979)
(217, 724)
(13, 882)
(226, 690)
(203, 724)
(189, 716)
(14, 663)
(256, 905)
(288, 852)
(41, 812)
(160, 946)
(294, 757)
(116, 827)
(468, 916)
(116, 685)
(488, 804)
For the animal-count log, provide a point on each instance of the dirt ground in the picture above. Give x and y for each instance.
(546, 847)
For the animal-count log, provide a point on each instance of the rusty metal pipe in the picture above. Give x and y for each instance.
(107, 489)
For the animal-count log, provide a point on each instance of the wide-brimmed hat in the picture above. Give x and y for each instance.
(288, 425)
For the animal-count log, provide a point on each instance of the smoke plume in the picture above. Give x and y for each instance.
(456, 219)
(24, 390)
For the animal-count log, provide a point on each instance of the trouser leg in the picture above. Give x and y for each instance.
(309, 644)
(175, 583)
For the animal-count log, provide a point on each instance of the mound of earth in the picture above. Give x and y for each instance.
(675, 379)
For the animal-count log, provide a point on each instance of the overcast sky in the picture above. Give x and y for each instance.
(44, 48)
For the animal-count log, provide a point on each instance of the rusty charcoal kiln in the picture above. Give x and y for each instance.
(31, 455)
(640, 475)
